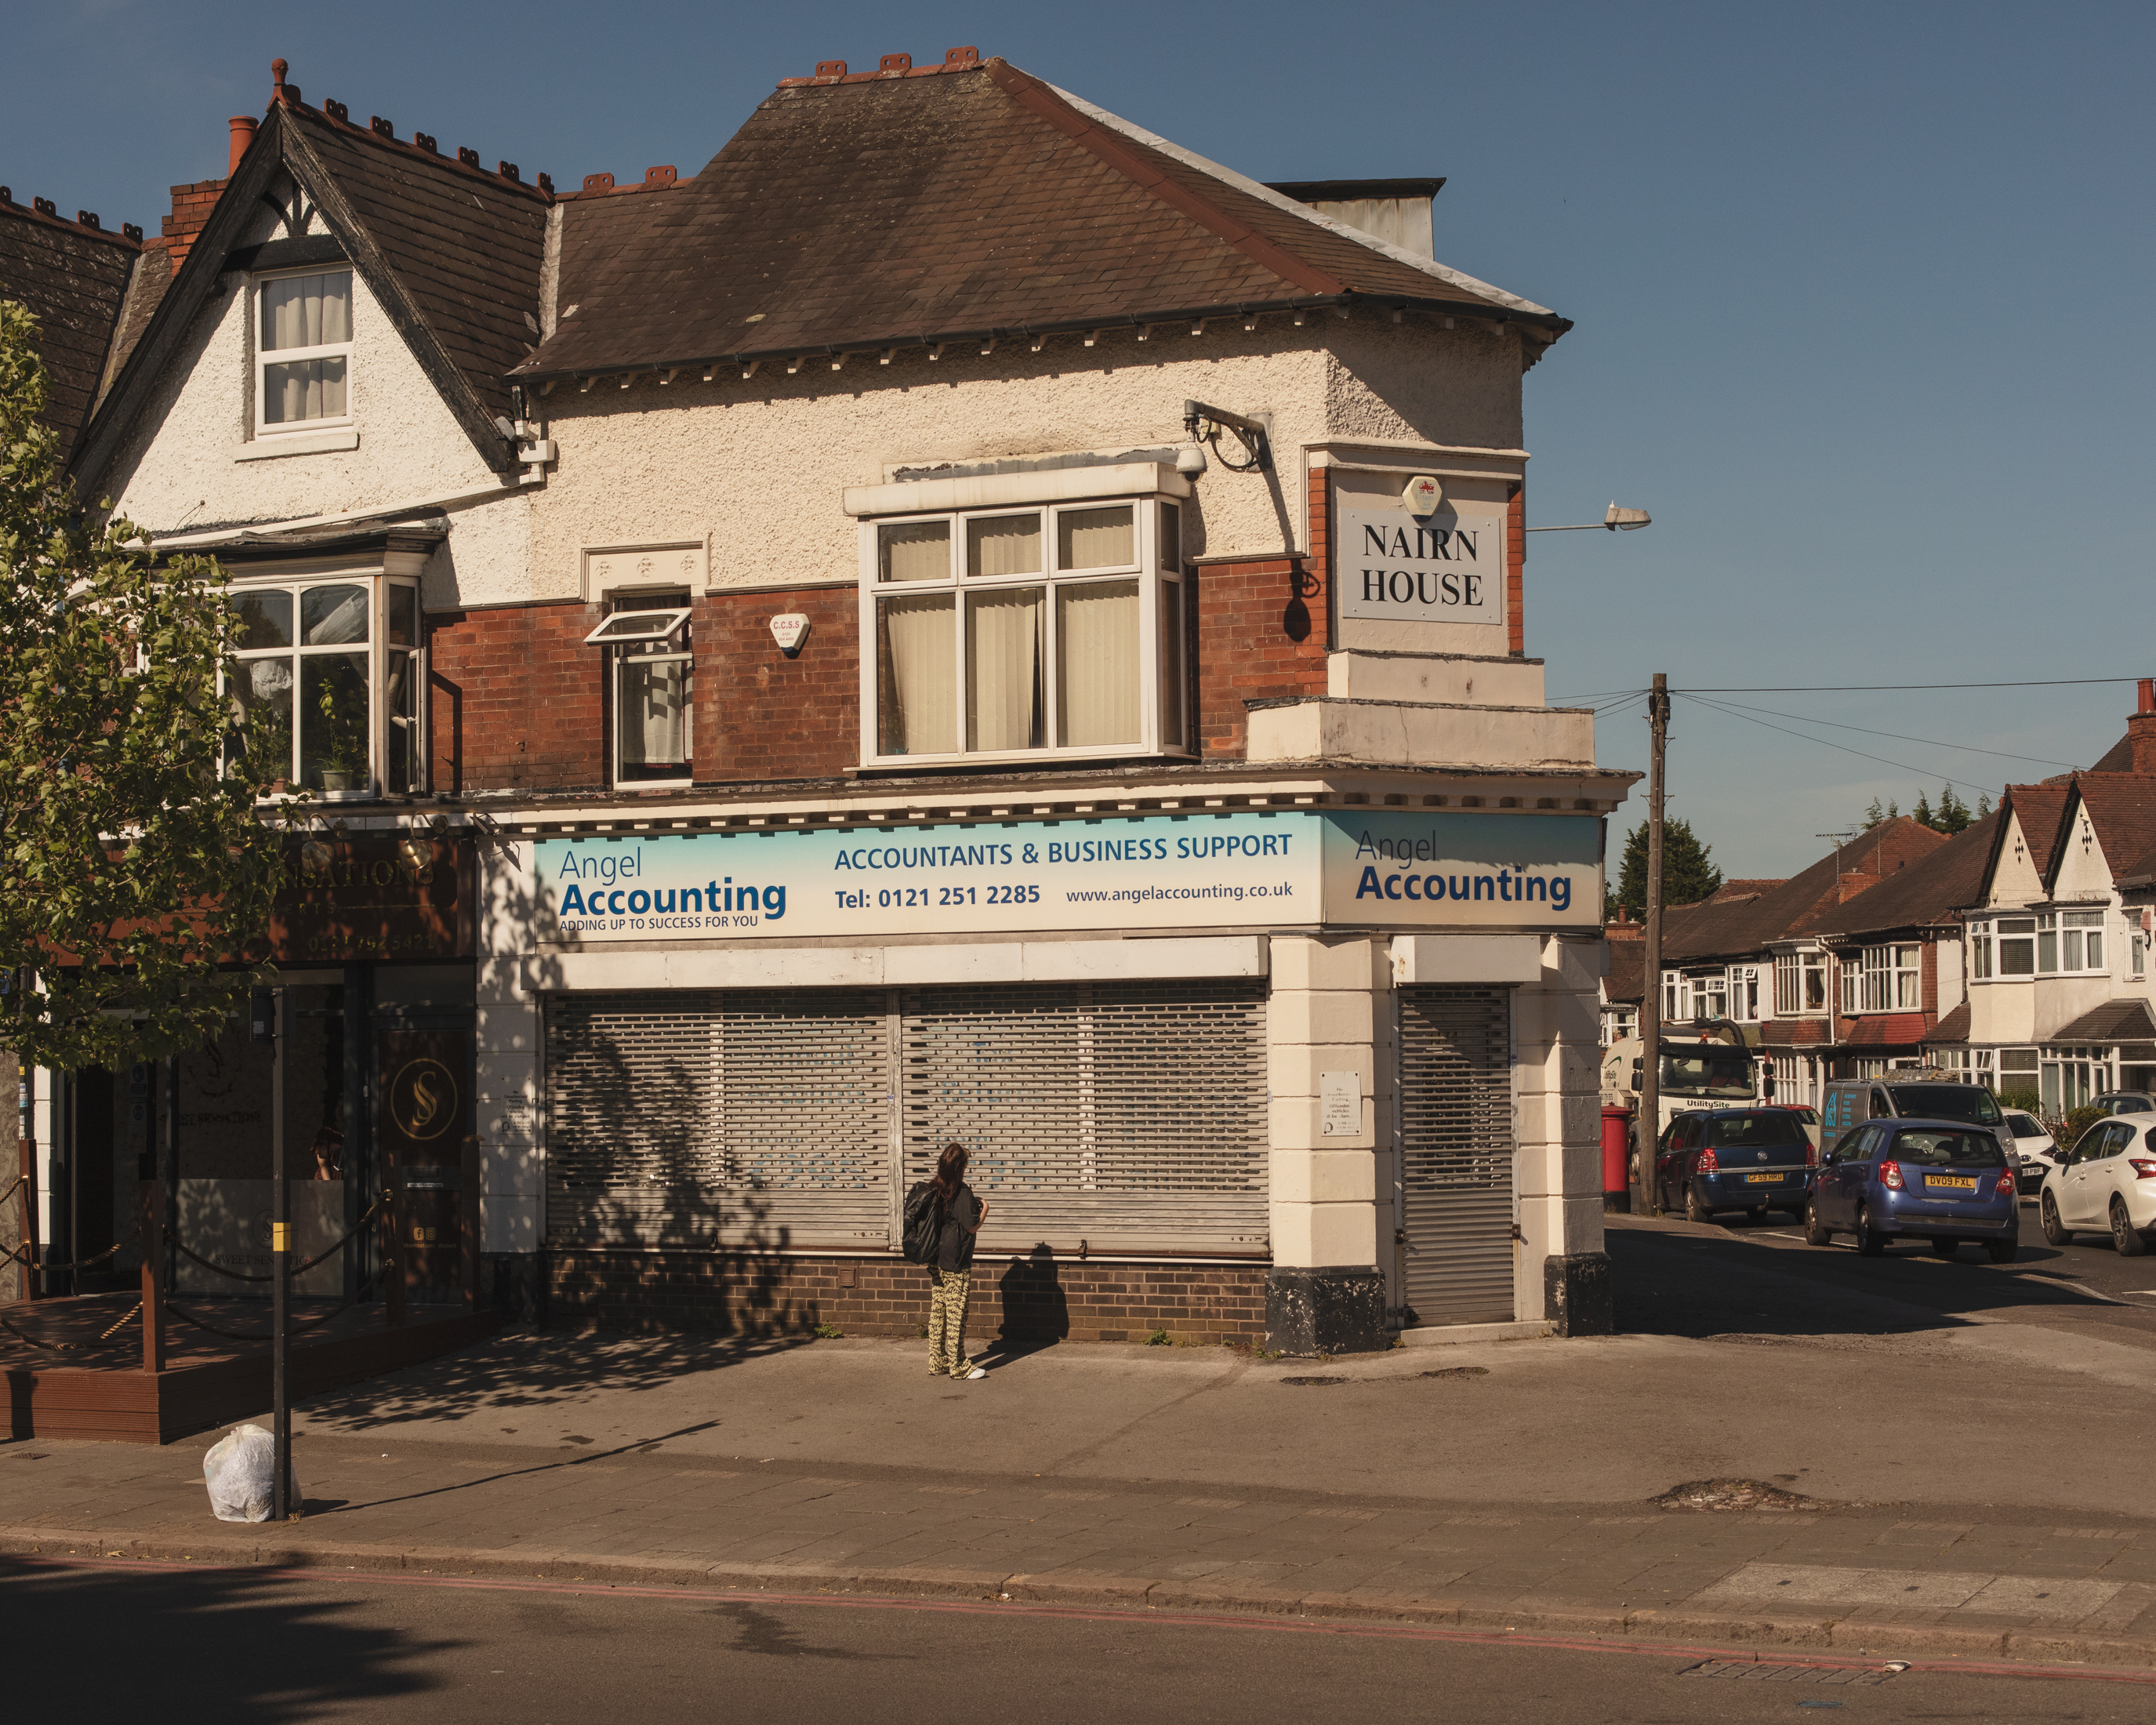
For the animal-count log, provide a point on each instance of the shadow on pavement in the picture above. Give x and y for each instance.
(536, 1369)
(1677, 1279)
(203, 1643)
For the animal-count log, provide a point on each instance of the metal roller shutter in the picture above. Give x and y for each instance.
(1129, 1116)
(1456, 1153)
(748, 1118)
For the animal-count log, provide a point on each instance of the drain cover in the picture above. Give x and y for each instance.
(1313, 1380)
(1746, 1671)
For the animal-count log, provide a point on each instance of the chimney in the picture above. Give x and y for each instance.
(242, 135)
(2141, 729)
(1395, 211)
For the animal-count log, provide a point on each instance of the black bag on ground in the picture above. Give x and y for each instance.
(923, 1232)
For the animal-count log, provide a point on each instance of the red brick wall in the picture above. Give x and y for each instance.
(515, 699)
(761, 714)
(192, 204)
(882, 1296)
(518, 699)
(1263, 628)
(1516, 567)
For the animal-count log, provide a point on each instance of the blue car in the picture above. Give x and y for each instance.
(1735, 1159)
(1942, 1180)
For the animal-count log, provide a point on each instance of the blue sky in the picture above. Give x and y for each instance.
(1858, 291)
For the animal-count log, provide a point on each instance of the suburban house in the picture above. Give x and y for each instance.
(2057, 995)
(960, 620)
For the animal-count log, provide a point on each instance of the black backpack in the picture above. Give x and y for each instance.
(923, 1232)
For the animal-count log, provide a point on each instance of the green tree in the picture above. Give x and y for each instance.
(1982, 805)
(1952, 815)
(1922, 812)
(134, 858)
(1688, 872)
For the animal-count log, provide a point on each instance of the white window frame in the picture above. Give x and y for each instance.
(265, 357)
(2019, 932)
(1979, 952)
(380, 652)
(671, 620)
(1893, 979)
(2078, 932)
(1158, 569)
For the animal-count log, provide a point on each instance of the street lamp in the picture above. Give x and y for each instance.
(1617, 520)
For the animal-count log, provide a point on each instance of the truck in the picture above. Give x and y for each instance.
(1711, 1068)
(1918, 1092)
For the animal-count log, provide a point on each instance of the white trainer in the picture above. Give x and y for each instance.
(978, 1372)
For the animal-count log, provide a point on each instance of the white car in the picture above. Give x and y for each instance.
(2108, 1183)
(2036, 1150)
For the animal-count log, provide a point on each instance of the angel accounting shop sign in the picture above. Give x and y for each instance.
(1243, 869)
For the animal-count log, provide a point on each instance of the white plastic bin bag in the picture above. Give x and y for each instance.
(241, 1470)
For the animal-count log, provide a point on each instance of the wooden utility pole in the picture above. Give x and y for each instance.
(1648, 1128)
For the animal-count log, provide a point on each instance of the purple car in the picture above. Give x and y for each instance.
(1942, 1180)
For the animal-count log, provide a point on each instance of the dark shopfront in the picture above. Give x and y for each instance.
(373, 938)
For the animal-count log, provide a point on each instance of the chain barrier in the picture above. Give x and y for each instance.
(185, 1316)
(320, 1257)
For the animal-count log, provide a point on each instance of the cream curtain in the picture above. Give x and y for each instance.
(306, 311)
(655, 712)
(1004, 639)
(1095, 538)
(914, 551)
(1003, 545)
(917, 675)
(1097, 627)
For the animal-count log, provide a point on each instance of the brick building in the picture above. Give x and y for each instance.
(959, 620)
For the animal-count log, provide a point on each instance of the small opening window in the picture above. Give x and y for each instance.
(651, 667)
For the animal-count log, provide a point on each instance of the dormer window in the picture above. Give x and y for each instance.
(303, 361)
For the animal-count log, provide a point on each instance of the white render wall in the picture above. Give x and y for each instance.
(1557, 1104)
(506, 1047)
(1323, 1015)
(176, 472)
(755, 470)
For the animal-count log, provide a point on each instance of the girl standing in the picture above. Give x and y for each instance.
(959, 1215)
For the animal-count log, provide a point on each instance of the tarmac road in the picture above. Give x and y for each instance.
(234, 1648)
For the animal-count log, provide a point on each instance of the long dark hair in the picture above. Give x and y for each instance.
(949, 1170)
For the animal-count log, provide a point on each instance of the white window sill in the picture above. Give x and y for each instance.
(297, 443)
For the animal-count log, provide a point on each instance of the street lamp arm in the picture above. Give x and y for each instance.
(1624, 521)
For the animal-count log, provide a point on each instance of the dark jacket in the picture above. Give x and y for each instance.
(961, 1217)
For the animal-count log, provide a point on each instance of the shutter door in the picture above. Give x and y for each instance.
(1130, 1116)
(1456, 1153)
(756, 1118)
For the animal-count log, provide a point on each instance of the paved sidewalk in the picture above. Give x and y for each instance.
(1499, 1495)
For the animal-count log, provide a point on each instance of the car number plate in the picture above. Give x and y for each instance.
(1952, 1183)
(1762, 1179)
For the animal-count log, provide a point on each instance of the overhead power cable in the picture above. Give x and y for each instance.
(1867, 731)
(1823, 743)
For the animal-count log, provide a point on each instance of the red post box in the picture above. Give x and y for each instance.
(1616, 1159)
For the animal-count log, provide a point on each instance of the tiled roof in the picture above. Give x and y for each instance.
(2121, 807)
(1628, 962)
(1799, 906)
(876, 210)
(73, 278)
(1889, 1030)
(2114, 1021)
(2038, 806)
(453, 252)
(467, 245)
(1952, 1028)
(1928, 890)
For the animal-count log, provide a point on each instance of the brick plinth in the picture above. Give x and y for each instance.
(1024, 1298)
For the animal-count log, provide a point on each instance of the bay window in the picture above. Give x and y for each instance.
(2017, 946)
(326, 689)
(1800, 985)
(649, 673)
(1979, 952)
(303, 358)
(2068, 940)
(1890, 980)
(1053, 630)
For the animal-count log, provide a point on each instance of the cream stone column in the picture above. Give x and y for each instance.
(512, 1165)
(1326, 1289)
(1561, 1272)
